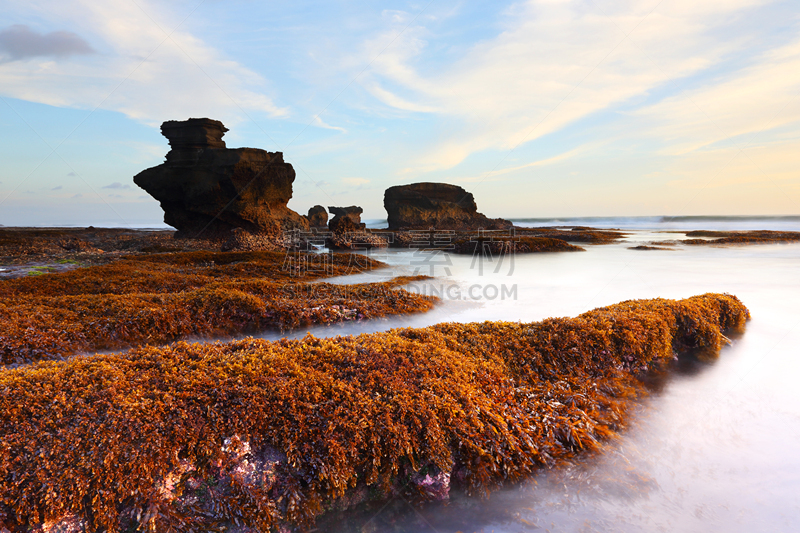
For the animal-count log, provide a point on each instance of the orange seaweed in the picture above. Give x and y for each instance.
(147, 438)
(158, 299)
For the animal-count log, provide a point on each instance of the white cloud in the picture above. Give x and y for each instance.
(762, 97)
(322, 124)
(139, 70)
(492, 175)
(395, 101)
(555, 63)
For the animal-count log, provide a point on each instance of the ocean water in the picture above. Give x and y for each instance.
(664, 223)
(715, 448)
(656, 223)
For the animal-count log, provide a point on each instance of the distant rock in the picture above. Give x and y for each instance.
(435, 205)
(353, 212)
(206, 189)
(346, 219)
(318, 217)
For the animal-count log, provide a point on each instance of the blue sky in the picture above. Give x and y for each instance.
(540, 108)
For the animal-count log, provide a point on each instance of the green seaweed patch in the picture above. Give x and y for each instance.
(272, 434)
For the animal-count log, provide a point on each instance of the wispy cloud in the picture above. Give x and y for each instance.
(320, 123)
(758, 98)
(149, 69)
(555, 63)
(490, 176)
(116, 185)
(20, 42)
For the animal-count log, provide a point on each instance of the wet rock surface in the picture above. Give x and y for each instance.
(207, 189)
(346, 219)
(439, 205)
(317, 217)
(241, 431)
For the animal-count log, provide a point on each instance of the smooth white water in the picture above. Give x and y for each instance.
(717, 447)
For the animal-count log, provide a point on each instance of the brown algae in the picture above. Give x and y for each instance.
(197, 437)
(156, 299)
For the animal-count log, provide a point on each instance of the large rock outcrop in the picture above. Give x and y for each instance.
(435, 205)
(206, 189)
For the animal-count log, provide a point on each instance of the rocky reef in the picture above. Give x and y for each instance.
(436, 205)
(741, 237)
(254, 435)
(160, 298)
(207, 189)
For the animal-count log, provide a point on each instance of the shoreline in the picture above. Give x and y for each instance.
(33, 251)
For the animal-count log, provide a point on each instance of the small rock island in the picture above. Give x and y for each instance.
(436, 205)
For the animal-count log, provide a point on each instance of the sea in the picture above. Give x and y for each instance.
(714, 447)
(665, 223)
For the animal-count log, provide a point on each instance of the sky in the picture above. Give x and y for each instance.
(541, 108)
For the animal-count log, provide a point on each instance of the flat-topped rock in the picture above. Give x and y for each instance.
(206, 189)
(435, 205)
(352, 212)
(186, 137)
(346, 219)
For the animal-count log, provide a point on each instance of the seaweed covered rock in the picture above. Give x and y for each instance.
(353, 239)
(435, 205)
(270, 435)
(741, 237)
(206, 189)
(241, 240)
(156, 299)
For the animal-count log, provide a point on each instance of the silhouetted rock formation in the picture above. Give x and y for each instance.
(435, 205)
(346, 219)
(318, 217)
(207, 189)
